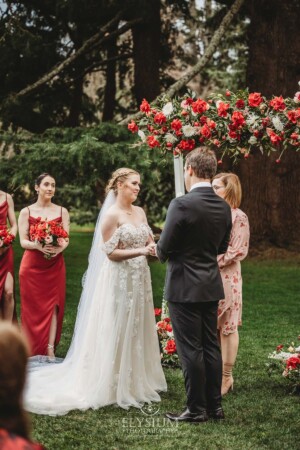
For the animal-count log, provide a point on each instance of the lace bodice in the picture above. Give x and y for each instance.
(128, 236)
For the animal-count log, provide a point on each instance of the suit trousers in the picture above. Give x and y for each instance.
(195, 331)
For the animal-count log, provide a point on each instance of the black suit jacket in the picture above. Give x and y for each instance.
(197, 229)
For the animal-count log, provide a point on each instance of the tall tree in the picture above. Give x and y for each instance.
(271, 194)
(146, 52)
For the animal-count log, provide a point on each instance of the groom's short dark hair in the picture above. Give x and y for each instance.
(203, 161)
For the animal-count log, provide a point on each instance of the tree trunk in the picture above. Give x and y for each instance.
(146, 54)
(110, 87)
(75, 106)
(271, 193)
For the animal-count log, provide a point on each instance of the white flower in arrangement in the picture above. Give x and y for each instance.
(142, 135)
(252, 121)
(169, 137)
(277, 123)
(297, 97)
(252, 140)
(168, 109)
(188, 130)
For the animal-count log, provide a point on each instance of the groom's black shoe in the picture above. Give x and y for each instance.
(188, 416)
(216, 414)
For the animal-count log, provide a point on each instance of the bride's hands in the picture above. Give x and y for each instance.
(148, 250)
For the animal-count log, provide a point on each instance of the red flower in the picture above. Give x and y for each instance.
(176, 125)
(279, 347)
(233, 134)
(160, 118)
(188, 144)
(294, 115)
(217, 142)
(274, 138)
(164, 324)
(228, 93)
(265, 121)
(145, 107)
(293, 362)
(294, 136)
(222, 109)
(157, 311)
(238, 119)
(199, 106)
(255, 99)
(152, 142)
(168, 328)
(211, 123)
(6, 238)
(170, 348)
(132, 126)
(205, 131)
(240, 104)
(278, 104)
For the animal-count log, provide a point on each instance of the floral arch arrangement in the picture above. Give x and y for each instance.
(233, 124)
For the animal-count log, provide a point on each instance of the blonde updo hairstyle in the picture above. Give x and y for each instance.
(233, 189)
(119, 175)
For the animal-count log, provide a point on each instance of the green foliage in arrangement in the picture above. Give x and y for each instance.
(260, 413)
(82, 160)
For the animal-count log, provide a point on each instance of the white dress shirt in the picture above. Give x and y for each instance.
(201, 184)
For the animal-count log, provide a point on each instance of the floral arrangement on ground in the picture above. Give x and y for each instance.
(286, 360)
(165, 333)
(233, 124)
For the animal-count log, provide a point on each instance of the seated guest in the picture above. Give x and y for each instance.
(14, 423)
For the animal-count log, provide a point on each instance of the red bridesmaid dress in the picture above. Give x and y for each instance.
(7, 259)
(42, 288)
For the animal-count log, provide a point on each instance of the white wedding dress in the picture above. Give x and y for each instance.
(114, 357)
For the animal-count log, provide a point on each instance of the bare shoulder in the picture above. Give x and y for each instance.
(10, 200)
(140, 212)
(24, 213)
(111, 218)
(65, 212)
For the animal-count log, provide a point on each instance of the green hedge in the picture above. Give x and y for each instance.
(82, 160)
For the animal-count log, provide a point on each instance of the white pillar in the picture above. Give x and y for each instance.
(178, 173)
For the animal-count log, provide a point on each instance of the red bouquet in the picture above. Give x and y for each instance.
(48, 232)
(6, 237)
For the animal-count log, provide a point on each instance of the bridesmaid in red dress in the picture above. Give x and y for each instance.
(42, 280)
(7, 303)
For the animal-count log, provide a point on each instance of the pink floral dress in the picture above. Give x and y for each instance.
(230, 309)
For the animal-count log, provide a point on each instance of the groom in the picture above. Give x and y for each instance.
(197, 229)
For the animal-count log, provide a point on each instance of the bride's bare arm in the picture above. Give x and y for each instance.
(109, 226)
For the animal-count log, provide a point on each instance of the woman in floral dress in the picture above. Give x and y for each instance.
(227, 186)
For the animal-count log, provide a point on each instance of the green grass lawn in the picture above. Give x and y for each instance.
(260, 412)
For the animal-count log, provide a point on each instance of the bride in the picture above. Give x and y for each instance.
(114, 356)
